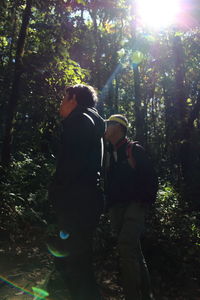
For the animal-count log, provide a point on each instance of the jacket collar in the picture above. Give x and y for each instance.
(78, 109)
(121, 142)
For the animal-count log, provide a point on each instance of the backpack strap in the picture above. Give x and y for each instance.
(89, 117)
(129, 153)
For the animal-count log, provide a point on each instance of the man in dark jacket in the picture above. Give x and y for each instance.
(75, 191)
(128, 205)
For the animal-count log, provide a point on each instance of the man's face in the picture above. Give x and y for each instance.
(110, 130)
(67, 105)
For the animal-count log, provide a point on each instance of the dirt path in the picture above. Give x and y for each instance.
(22, 269)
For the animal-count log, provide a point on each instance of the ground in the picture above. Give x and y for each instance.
(28, 264)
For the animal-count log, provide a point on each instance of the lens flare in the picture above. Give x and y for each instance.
(149, 38)
(137, 57)
(63, 235)
(38, 293)
(56, 253)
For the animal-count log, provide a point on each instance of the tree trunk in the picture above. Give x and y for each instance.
(187, 150)
(180, 92)
(14, 97)
(97, 41)
(116, 105)
(139, 117)
(139, 120)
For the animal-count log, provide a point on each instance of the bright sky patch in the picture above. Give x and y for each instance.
(157, 13)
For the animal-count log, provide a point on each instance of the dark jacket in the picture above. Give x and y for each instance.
(74, 188)
(124, 183)
(79, 159)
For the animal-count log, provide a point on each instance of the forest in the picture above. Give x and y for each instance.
(142, 67)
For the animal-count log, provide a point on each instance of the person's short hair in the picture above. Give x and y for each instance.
(119, 119)
(85, 94)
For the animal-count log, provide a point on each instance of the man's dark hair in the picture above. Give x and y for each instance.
(85, 94)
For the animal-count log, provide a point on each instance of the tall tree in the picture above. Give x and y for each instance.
(14, 97)
(180, 89)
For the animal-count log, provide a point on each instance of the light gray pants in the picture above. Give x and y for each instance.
(127, 221)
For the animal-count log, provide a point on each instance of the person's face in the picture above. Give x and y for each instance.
(110, 130)
(67, 105)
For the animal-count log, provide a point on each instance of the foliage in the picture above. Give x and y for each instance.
(24, 195)
(152, 78)
(173, 232)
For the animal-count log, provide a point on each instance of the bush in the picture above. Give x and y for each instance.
(24, 193)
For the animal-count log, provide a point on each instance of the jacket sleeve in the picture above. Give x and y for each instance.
(76, 145)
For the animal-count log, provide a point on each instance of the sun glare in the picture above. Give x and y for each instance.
(157, 13)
